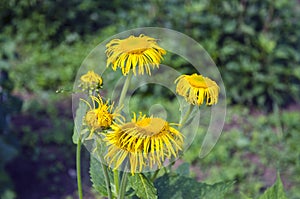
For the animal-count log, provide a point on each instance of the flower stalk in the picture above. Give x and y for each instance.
(116, 180)
(186, 116)
(125, 89)
(106, 177)
(123, 185)
(78, 168)
(121, 101)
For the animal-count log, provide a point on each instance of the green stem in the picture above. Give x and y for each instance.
(107, 181)
(105, 170)
(116, 180)
(155, 175)
(186, 116)
(121, 101)
(182, 123)
(123, 185)
(165, 170)
(78, 168)
(125, 88)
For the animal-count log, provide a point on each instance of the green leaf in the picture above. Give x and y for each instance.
(80, 112)
(230, 26)
(247, 29)
(144, 188)
(276, 191)
(266, 43)
(177, 187)
(217, 190)
(97, 176)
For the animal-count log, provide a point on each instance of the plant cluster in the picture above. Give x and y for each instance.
(146, 142)
(119, 147)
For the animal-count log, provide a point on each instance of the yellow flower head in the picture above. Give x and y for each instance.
(101, 115)
(196, 87)
(143, 142)
(134, 52)
(90, 81)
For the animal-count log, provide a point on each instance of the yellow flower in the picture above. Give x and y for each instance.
(196, 87)
(100, 116)
(90, 81)
(143, 142)
(134, 52)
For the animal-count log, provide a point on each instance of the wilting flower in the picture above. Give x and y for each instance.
(134, 52)
(90, 81)
(195, 88)
(143, 142)
(100, 115)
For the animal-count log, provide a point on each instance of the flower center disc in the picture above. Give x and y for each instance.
(135, 45)
(151, 126)
(198, 82)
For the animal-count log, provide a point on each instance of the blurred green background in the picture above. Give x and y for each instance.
(254, 43)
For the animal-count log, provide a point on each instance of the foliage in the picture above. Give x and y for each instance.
(170, 185)
(34, 21)
(276, 191)
(36, 42)
(175, 186)
(254, 43)
(97, 177)
(250, 151)
(143, 187)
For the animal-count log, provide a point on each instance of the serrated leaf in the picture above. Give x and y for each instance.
(144, 188)
(276, 191)
(217, 190)
(97, 176)
(80, 112)
(177, 187)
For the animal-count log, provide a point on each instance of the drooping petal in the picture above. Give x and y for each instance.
(196, 88)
